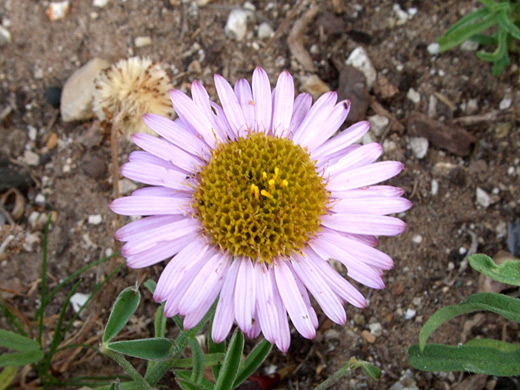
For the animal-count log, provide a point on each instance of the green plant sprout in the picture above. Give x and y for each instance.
(481, 356)
(504, 16)
(29, 345)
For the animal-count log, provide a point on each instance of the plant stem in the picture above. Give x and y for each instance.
(134, 374)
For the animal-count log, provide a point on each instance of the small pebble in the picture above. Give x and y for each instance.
(359, 59)
(39, 199)
(505, 103)
(265, 31)
(419, 146)
(513, 238)
(100, 3)
(31, 158)
(32, 133)
(417, 239)
(410, 314)
(389, 146)
(417, 301)
(332, 334)
(31, 240)
(462, 251)
(236, 25)
(402, 16)
(378, 124)
(413, 96)
(78, 300)
(142, 41)
(433, 48)
(58, 10)
(482, 198)
(369, 337)
(5, 36)
(126, 186)
(469, 45)
(434, 187)
(38, 73)
(95, 219)
(376, 329)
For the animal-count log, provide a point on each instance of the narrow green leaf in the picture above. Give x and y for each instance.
(491, 4)
(215, 348)
(499, 52)
(507, 24)
(7, 376)
(140, 382)
(231, 364)
(17, 342)
(183, 379)
(253, 361)
(125, 306)
(484, 40)
(211, 359)
(198, 360)
(464, 33)
(20, 358)
(372, 371)
(150, 285)
(506, 306)
(468, 19)
(508, 272)
(43, 291)
(149, 349)
(496, 344)
(476, 359)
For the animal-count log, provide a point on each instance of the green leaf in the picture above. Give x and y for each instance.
(508, 272)
(496, 344)
(198, 360)
(483, 39)
(508, 25)
(231, 364)
(17, 342)
(476, 359)
(183, 379)
(253, 361)
(125, 306)
(459, 35)
(215, 348)
(371, 370)
(149, 349)
(7, 376)
(506, 306)
(209, 360)
(499, 52)
(20, 358)
(468, 19)
(150, 285)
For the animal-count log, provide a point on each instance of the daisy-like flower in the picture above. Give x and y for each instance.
(250, 199)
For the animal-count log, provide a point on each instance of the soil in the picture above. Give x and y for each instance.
(71, 180)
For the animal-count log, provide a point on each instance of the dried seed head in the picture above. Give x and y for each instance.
(132, 88)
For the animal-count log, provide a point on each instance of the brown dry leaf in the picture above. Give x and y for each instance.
(295, 39)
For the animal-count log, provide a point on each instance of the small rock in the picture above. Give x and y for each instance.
(384, 88)
(94, 166)
(505, 103)
(389, 146)
(100, 3)
(31, 240)
(413, 96)
(417, 239)
(503, 129)
(314, 85)
(513, 238)
(472, 106)
(142, 41)
(410, 314)
(236, 25)
(76, 98)
(434, 187)
(367, 139)
(482, 198)
(332, 334)
(202, 3)
(419, 146)
(443, 169)
(417, 301)
(402, 16)
(53, 96)
(126, 186)
(368, 337)
(77, 300)
(38, 73)
(95, 219)
(32, 133)
(265, 31)
(5, 36)
(432, 106)
(31, 158)
(376, 329)
(501, 229)
(359, 59)
(58, 10)
(359, 319)
(52, 141)
(433, 48)
(378, 124)
(406, 382)
(39, 199)
(469, 45)
(353, 86)
(195, 67)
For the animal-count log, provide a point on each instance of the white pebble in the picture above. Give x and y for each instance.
(469, 45)
(142, 41)
(417, 301)
(389, 146)
(32, 133)
(511, 171)
(378, 123)
(100, 3)
(78, 300)
(5, 36)
(462, 251)
(31, 158)
(359, 59)
(505, 103)
(402, 16)
(376, 329)
(58, 10)
(39, 199)
(265, 31)
(126, 186)
(419, 146)
(483, 198)
(435, 187)
(236, 25)
(433, 48)
(410, 314)
(95, 219)
(417, 239)
(413, 96)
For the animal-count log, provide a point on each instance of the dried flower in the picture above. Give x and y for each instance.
(130, 89)
(251, 199)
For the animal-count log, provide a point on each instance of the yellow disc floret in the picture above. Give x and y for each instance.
(260, 197)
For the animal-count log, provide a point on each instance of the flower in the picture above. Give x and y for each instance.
(250, 199)
(131, 88)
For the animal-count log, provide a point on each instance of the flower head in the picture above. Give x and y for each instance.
(131, 88)
(250, 199)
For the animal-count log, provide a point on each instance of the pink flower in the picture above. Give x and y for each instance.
(250, 199)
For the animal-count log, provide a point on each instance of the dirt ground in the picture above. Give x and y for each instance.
(71, 178)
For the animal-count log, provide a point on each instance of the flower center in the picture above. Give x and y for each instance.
(260, 197)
